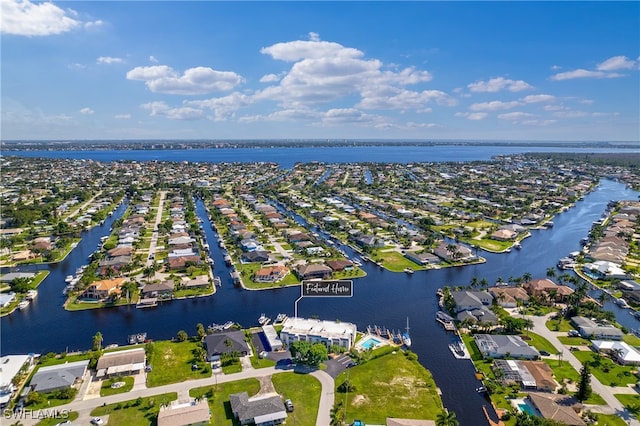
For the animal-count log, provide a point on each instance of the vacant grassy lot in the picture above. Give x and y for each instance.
(137, 412)
(562, 371)
(610, 420)
(389, 386)
(172, 363)
(304, 391)
(559, 324)
(218, 398)
(574, 341)
(631, 402)
(631, 339)
(396, 262)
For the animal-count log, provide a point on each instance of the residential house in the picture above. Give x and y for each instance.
(340, 265)
(225, 343)
(10, 367)
(121, 363)
(314, 270)
(467, 300)
(271, 274)
(102, 290)
(590, 329)
(504, 235)
(58, 377)
(530, 375)
(622, 352)
(163, 290)
(423, 258)
(192, 413)
(504, 346)
(201, 281)
(561, 408)
(7, 298)
(547, 289)
(255, 256)
(454, 252)
(260, 410)
(509, 297)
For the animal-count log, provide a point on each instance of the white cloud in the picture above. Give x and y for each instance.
(86, 111)
(183, 113)
(109, 60)
(616, 63)
(21, 17)
(284, 115)
(497, 84)
(323, 72)
(538, 122)
(582, 73)
(514, 116)
(569, 114)
(270, 78)
(475, 116)
(223, 107)
(337, 116)
(122, 116)
(194, 81)
(314, 36)
(554, 108)
(93, 24)
(538, 98)
(153, 59)
(493, 105)
(556, 67)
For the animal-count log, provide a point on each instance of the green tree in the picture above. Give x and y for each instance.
(200, 331)
(584, 386)
(317, 354)
(337, 414)
(446, 418)
(182, 336)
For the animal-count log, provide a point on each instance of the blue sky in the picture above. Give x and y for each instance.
(384, 70)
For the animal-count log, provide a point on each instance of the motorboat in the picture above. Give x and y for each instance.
(31, 294)
(23, 304)
(262, 319)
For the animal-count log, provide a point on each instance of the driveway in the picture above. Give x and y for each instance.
(337, 365)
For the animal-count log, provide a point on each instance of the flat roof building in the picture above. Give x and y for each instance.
(330, 333)
(183, 414)
(272, 337)
(121, 362)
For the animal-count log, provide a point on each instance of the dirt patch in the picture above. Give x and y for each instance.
(266, 386)
(359, 400)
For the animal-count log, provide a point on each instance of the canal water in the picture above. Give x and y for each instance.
(381, 298)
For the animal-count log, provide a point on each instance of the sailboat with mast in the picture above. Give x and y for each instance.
(406, 338)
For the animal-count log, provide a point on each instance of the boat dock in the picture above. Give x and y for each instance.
(446, 321)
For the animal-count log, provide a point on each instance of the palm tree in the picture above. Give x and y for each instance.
(551, 272)
(447, 418)
(97, 341)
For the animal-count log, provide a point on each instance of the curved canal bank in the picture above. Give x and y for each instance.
(381, 298)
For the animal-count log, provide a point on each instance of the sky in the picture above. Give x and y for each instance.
(320, 70)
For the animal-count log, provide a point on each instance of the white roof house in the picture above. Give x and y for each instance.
(624, 353)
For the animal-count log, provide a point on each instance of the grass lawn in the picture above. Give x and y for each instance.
(492, 245)
(71, 416)
(233, 368)
(304, 391)
(617, 375)
(610, 420)
(193, 292)
(631, 402)
(107, 390)
(137, 412)
(560, 324)
(573, 341)
(539, 342)
(74, 304)
(390, 386)
(563, 370)
(218, 398)
(631, 339)
(172, 363)
(396, 262)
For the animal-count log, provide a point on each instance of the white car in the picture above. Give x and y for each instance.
(96, 421)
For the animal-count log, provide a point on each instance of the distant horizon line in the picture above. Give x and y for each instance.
(321, 140)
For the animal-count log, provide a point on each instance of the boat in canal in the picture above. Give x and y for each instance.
(406, 338)
(23, 304)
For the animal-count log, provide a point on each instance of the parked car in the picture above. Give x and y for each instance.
(544, 353)
(573, 333)
(288, 405)
(96, 421)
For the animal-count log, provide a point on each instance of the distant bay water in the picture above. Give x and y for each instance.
(287, 157)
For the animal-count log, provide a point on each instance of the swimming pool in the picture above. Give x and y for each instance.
(526, 408)
(370, 343)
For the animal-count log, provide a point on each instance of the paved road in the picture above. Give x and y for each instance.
(84, 407)
(605, 392)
